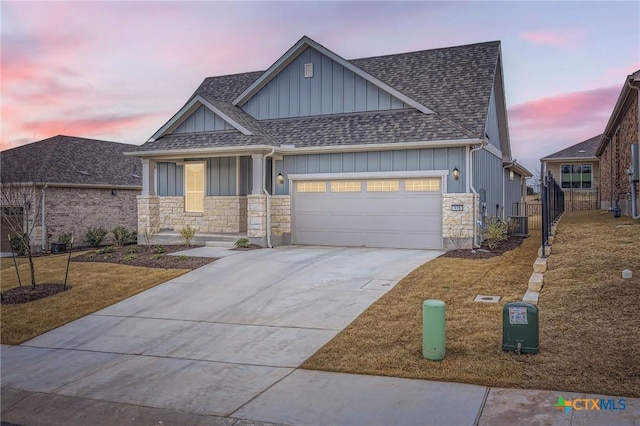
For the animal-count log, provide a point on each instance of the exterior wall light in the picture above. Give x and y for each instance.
(511, 174)
(280, 178)
(456, 173)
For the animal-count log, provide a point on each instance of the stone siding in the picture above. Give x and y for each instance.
(221, 214)
(457, 226)
(280, 215)
(256, 216)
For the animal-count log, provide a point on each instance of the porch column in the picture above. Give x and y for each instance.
(148, 177)
(258, 174)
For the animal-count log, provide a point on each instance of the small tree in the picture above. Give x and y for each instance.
(20, 191)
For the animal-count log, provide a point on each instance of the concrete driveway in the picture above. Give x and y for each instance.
(210, 341)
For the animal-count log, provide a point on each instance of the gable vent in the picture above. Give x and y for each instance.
(308, 70)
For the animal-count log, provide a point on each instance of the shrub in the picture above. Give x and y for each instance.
(95, 236)
(242, 243)
(105, 250)
(187, 233)
(129, 257)
(156, 256)
(19, 244)
(148, 235)
(181, 257)
(132, 249)
(159, 249)
(65, 238)
(121, 236)
(495, 232)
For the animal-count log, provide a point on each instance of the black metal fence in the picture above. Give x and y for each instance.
(553, 203)
(581, 199)
(531, 210)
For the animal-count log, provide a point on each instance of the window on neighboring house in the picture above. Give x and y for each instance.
(194, 187)
(576, 175)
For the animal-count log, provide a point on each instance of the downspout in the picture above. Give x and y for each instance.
(504, 197)
(44, 224)
(264, 188)
(473, 190)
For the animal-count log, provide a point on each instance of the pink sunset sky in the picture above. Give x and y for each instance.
(119, 70)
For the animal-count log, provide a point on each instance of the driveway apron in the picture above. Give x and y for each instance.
(214, 339)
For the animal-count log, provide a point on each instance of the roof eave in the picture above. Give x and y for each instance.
(613, 119)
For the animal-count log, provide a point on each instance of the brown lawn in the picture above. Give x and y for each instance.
(93, 286)
(589, 322)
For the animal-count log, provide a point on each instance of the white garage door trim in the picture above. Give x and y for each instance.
(390, 234)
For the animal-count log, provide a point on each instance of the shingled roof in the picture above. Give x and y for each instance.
(72, 160)
(454, 82)
(584, 149)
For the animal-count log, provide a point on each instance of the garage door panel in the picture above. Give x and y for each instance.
(369, 218)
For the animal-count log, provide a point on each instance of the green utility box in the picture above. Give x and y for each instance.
(433, 329)
(520, 332)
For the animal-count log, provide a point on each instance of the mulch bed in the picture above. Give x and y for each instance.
(484, 252)
(249, 248)
(29, 293)
(147, 256)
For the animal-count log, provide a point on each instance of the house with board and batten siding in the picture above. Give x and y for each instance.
(408, 150)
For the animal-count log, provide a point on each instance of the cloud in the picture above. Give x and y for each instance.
(553, 38)
(544, 126)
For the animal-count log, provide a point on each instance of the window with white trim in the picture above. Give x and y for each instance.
(431, 184)
(346, 186)
(194, 187)
(311, 186)
(383, 185)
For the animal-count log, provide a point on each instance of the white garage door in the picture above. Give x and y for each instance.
(399, 213)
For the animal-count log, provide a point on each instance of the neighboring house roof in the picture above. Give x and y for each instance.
(72, 161)
(453, 84)
(621, 105)
(582, 150)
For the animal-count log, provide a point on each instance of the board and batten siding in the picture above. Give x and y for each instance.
(375, 161)
(492, 129)
(333, 89)
(513, 192)
(221, 177)
(202, 120)
(487, 180)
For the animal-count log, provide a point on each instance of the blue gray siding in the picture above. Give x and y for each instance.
(220, 178)
(246, 176)
(492, 121)
(202, 120)
(487, 177)
(170, 179)
(375, 161)
(332, 90)
(513, 192)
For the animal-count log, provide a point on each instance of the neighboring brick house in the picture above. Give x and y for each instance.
(577, 169)
(81, 183)
(615, 150)
(406, 150)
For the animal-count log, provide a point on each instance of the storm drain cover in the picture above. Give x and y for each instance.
(486, 299)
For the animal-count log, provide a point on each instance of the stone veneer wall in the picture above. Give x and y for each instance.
(221, 214)
(280, 215)
(256, 216)
(457, 226)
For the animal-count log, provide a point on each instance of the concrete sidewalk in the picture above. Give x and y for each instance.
(222, 345)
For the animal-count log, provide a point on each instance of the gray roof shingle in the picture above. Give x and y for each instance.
(61, 159)
(455, 82)
(584, 149)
